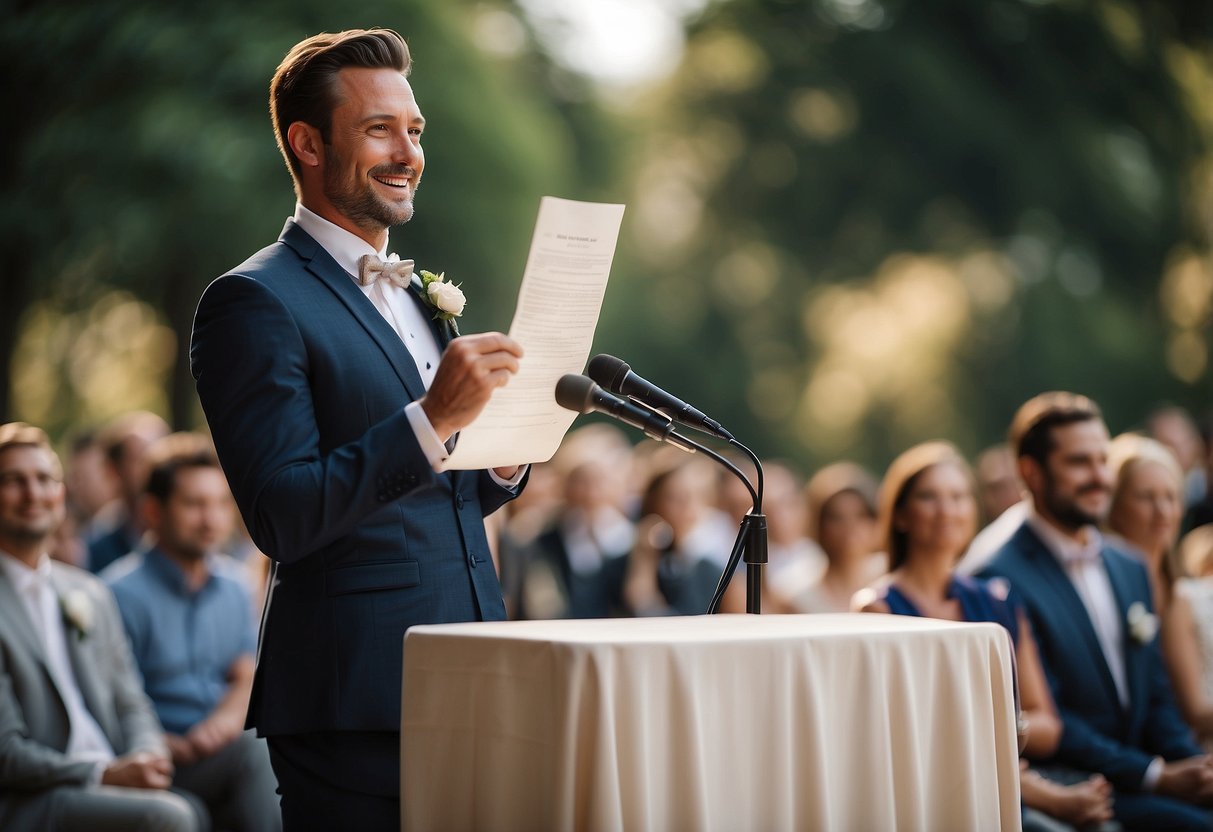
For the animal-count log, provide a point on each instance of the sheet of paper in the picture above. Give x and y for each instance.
(558, 305)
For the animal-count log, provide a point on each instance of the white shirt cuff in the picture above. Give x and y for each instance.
(431, 444)
(512, 481)
(1149, 780)
(98, 772)
(435, 449)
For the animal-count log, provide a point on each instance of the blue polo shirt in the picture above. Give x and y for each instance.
(184, 642)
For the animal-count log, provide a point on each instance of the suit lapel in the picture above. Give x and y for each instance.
(323, 266)
(1064, 600)
(13, 617)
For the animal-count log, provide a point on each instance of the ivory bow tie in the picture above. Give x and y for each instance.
(397, 272)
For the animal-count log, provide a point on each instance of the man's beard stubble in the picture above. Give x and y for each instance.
(1068, 512)
(359, 202)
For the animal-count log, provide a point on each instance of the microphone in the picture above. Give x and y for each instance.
(617, 376)
(580, 394)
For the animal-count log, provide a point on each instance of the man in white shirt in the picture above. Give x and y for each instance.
(1091, 611)
(80, 746)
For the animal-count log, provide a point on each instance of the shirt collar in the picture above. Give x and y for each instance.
(22, 577)
(1066, 549)
(344, 247)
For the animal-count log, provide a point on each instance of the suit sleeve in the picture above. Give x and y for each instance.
(1083, 747)
(251, 366)
(25, 764)
(493, 495)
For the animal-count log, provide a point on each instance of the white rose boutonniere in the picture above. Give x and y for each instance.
(77, 611)
(1143, 624)
(446, 298)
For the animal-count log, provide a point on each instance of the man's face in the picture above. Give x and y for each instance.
(373, 165)
(1075, 486)
(31, 495)
(198, 516)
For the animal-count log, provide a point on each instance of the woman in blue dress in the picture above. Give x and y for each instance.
(928, 515)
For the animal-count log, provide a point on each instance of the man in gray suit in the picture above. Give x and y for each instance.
(80, 746)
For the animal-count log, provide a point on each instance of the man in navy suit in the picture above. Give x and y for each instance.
(333, 390)
(1091, 609)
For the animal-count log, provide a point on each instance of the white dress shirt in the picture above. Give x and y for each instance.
(404, 316)
(86, 741)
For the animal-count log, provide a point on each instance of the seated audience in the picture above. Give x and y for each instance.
(80, 746)
(575, 567)
(1147, 507)
(1091, 610)
(998, 486)
(928, 514)
(675, 565)
(841, 508)
(187, 612)
(125, 441)
(794, 561)
(1175, 428)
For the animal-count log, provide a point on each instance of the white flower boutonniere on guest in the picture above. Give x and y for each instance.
(446, 298)
(77, 611)
(1143, 624)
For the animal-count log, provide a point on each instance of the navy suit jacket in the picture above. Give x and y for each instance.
(304, 385)
(1099, 734)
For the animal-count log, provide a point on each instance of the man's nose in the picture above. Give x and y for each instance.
(407, 153)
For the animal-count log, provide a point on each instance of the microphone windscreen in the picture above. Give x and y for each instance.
(575, 392)
(607, 370)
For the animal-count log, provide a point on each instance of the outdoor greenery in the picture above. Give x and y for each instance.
(851, 224)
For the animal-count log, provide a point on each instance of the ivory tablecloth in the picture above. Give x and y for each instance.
(730, 722)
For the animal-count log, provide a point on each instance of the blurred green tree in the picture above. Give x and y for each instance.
(879, 221)
(140, 157)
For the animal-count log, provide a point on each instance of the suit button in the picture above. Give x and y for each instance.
(472, 560)
(459, 501)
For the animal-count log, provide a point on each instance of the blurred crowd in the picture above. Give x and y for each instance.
(610, 529)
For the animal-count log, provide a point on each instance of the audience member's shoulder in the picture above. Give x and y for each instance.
(229, 571)
(120, 570)
(1008, 556)
(1120, 551)
(71, 579)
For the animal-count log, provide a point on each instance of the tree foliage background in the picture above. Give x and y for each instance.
(852, 224)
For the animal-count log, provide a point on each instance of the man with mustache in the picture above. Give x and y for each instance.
(1091, 610)
(333, 391)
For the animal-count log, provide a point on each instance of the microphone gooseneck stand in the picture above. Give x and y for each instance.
(751, 542)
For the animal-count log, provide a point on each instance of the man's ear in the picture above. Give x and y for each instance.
(305, 142)
(151, 511)
(1032, 475)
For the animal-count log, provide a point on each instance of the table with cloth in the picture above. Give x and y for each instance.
(720, 722)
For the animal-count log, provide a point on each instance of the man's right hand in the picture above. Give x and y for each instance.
(472, 367)
(1190, 779)
(139, 770)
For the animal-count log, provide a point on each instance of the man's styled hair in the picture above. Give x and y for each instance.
(1031, 431)
(172, 454)
(303, 86)
(21, 435)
